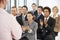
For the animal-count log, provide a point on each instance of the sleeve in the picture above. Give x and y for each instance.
(34, 31)
(51, 26)
(16, 30)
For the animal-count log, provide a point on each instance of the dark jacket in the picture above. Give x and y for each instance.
(40, 16)
(42, 33)
(19, 19)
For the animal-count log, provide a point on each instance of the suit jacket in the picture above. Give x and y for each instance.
(57, 24)
(40, 32)
(19, 19)
(33, 11)
(40, 17)
(33, 34)
(51, 24)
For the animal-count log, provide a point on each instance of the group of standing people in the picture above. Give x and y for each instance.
(37, 24)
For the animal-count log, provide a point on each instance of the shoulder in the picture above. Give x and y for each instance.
(35, 23)
(52, 19)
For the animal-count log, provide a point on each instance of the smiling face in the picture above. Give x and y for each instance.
(13, 11)
(29, 17)
(34, 7)
(46, 13)
(24, 10)
(39, 10)
(55, 10)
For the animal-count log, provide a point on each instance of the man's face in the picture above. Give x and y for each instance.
(33, 7)
(24, 10)
(39, 10)
(19, 10)
(29, 17)
(46, 13)
(13, 11)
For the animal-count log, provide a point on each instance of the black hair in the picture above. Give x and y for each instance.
(34, 4)
(40, 7)
(30, 13)
(47, 9)
(25, 7)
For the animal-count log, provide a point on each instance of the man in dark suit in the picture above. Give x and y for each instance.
(23, 16)
(38, 14)
(34, 6)
(46, 27)
(49, 24)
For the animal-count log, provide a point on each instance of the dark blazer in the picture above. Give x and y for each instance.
(51, 24)
(40, 17)
(19, 19)
(41, 33)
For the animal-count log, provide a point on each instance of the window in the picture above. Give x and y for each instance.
(12, 3)
(20, 2)
(49, 3)
(29, 3)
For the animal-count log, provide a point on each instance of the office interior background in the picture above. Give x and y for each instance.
(28, 3)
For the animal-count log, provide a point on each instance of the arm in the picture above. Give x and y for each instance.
(16, 30)
(33, 31)
(50, 27)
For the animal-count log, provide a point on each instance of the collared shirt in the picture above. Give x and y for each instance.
(9, 28)
(23, 17)
(52, 15)
(46, 18)
(38, 15)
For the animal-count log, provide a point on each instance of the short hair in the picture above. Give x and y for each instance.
(56, 8)
(40, 7)
(34, 4)
(19, 7)
(47, 9)
(30, 13)
(13, 7)
(25, 7)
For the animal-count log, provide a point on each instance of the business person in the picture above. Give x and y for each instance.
(34, 8)
(9, 27)
(49, 24)
(30, 28)
(23, 17)
(38, 14)
(56, 16)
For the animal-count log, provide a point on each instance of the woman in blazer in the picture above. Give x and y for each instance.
(57, 18)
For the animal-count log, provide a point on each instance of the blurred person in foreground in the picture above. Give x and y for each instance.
(9, 28)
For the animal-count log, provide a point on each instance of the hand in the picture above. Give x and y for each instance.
(41, 23)
(45, 22)
(46, 25)
(23, 28)
(28, 28)
(34, 17)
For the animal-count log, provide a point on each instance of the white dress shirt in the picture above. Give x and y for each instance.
(52, 15)
(9, 28)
